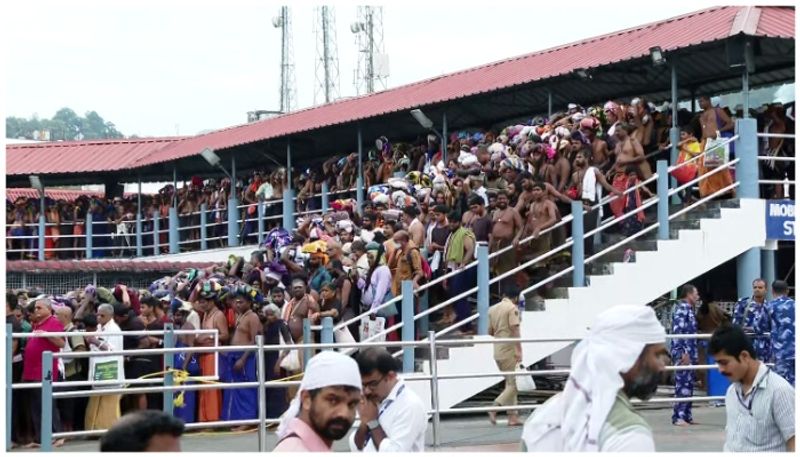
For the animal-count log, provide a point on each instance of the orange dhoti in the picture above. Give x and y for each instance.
(210, 401)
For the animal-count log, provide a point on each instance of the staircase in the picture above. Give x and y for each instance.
(700, 240)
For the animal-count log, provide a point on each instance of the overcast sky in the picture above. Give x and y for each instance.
(158, 68)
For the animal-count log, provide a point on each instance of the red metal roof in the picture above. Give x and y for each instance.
(695, 28)
(99, 266)
(80, 156)
(688, 30)
(14, 193)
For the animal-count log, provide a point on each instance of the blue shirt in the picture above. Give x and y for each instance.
(754, 316)
(683, 323)
(781, 312)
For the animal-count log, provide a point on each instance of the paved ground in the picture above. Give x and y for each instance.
(474, 433)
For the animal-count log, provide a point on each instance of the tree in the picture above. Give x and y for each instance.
(65, 125)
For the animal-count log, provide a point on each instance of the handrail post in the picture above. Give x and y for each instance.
(260, 221)
(46, 425)
(663, 200)
(434, 387)
(483, 289)
(89, 224)
(306, 340)
(233, 218)
(577, 244)
(288, 194)
(9, 380)
(203, 227)
(262, 409)
(42, 229)
(360, 177)
(173, 230)
(408, 325)
(139, 247)
(325, 203)
(169, 364)
(327, 331)
(156, 235)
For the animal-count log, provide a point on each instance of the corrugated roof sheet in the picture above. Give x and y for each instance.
(80, 156)
(99, 266)
(688, 30)
(56, 194)
(703, 26)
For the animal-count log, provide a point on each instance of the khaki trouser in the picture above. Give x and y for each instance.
(508, 397)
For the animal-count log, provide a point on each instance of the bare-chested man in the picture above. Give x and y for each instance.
(599, 146)
(776, 122)
(506, 230)
(712, 120)
(301, 306)
(542, 214)
(213, 319)
(242, 404)
(629, 152)
(561, 164)
(588, 180)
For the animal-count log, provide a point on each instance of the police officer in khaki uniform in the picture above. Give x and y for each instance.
(504, 323)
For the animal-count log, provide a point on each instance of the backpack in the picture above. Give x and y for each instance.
(427, 273)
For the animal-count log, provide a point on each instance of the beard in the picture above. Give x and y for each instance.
(333, 429)
(644, 386)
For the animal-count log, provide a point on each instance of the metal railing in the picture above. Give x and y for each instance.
(259, 349)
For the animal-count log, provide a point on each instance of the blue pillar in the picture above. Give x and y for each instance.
(42, 228)
(203, 227)
(483, 289)
(307, 352)
(233, 221)
(327, 331)
(9, 380)
(768, 268)
(325, 199)
(174, 237)
(663, 200)
(747, 153)
(748, 268)
(156, 229)
(674, 131)
(748, 264)
(260, 212)
(288, 194)
(89, 224)
(577, 244)
(360, 178)
(139, 212)
(444, 138)
(169, 364)
(549, 104)
(47, 403)
(408, 325)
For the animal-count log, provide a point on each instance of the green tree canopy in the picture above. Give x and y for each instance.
(65, 125)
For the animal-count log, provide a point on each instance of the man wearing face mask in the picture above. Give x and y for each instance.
(752, 314)
(684, 352)
(621, 358)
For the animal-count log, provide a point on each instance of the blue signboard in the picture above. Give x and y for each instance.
(780, 220)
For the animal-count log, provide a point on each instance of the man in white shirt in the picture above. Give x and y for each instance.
(103, 410)
(759, 404)
(393, 418)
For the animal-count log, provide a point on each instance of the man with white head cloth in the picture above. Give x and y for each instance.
(622, 357)
(325, 406)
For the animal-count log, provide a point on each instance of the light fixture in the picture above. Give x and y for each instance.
(657, 55)
(583, 73)
(211, 157)
(423, 120)
(36, 183)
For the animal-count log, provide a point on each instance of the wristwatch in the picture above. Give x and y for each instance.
(373, 424)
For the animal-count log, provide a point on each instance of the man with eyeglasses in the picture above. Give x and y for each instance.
(393, 418)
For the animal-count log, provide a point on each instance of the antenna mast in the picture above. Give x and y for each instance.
(327, 62)
(373, 62)
(288, 82)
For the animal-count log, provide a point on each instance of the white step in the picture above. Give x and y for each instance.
(653, 274)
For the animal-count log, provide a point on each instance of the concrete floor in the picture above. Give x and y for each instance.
(475, 434)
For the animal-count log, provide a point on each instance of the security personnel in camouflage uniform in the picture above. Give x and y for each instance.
(752, 314)
(781, 311)
(684, 352)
